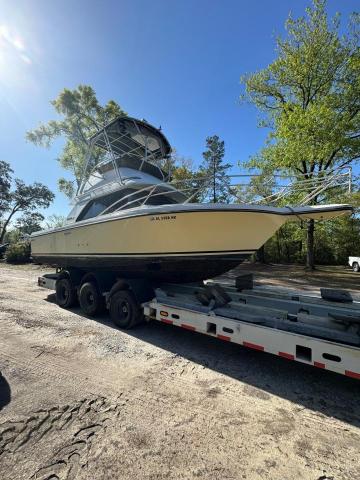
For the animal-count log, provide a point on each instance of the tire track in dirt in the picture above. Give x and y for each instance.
(178, 369)
(88, 419)
(176, 417)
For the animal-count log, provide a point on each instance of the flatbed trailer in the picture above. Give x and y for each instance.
(291, 324)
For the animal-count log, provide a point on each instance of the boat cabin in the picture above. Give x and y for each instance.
(125, 169)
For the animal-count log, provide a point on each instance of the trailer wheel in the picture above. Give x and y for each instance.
(90, 299)
(355, 267)
(65, 293)
(124, 310)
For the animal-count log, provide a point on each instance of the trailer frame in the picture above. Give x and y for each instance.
(286, 323)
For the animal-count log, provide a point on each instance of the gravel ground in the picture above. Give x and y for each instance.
(80, 399)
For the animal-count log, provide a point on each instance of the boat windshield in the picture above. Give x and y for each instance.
(105, 172)
(129, 198)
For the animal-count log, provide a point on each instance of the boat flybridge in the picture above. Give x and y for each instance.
(129, 218)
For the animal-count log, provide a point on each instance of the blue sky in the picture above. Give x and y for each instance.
(176, 63)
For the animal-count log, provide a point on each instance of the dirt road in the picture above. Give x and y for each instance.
(83, 400)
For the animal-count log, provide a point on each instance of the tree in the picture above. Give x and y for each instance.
(29, 223)
(55, 221)
(260, 189)
(310, 98)
(82, 115)
(188, 181)
(5, 184)
(184, 177)
(343, 235)
(23, 198)
(214, 170)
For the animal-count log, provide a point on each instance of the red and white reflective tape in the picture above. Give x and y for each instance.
(289, 356)
(351, 374)
(187, 327)
(254, 346)
(224, 337)
(167, 320)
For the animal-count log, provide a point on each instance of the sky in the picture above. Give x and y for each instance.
(175, 63)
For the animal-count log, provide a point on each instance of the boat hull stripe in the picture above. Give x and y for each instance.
(143, 254)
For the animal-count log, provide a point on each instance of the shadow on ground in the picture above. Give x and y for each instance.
(5, 392)
(327, 393)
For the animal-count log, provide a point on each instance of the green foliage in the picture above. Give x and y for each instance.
(310, 99)
(310, 96)
(12, 236)
(29, 223)
(22, 198)
(183, 175)
(260, 189)
(287, 245)
(81, 116)
(188, 181)
(215, 171)
(18, 253)
(341, 237)
(5, 184)
(55, 221)
(335, 241)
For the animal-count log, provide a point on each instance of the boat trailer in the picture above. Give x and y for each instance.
(321, 331)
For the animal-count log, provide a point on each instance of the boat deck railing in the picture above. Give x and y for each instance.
(275, 190)
(301, 192)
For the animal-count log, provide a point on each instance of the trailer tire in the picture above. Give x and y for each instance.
(65, 293)
(355, 267)
(90, 299)
(125, 311)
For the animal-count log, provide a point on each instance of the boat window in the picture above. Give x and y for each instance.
(164, 199)
(98, 205)
(128, 198)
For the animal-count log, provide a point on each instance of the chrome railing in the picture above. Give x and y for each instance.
(287, 190)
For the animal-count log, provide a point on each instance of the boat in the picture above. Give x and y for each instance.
(128, 218)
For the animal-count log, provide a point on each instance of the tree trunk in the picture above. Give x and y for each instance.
(5, 225)
(214, 182)
(310, 262)
(260, 254)
(2, 233)
(287, 249)
(278, 247)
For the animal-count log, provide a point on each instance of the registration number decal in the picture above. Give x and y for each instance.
(162, 217)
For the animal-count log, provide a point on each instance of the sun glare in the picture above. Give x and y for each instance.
(12, 44)
(15, 59)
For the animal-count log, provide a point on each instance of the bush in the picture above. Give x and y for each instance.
(18, 253)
